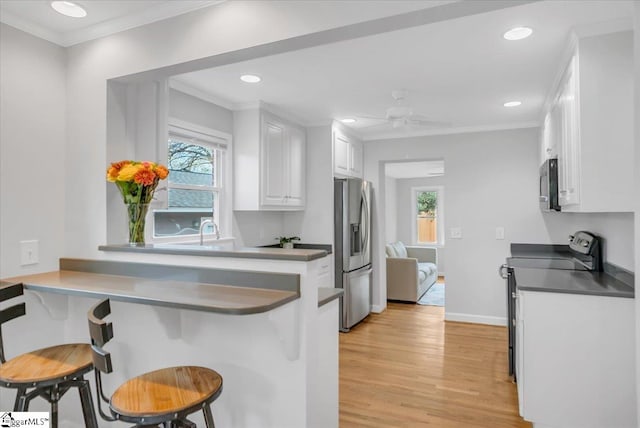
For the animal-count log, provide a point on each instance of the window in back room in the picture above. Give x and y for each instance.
(425, 203)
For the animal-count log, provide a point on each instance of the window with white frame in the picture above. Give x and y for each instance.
(195, 188)
(427, 213)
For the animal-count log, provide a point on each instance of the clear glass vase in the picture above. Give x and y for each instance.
(136, 215)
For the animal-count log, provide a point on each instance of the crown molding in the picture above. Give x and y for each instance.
(9, 18)
(166, 10)
(604, 27)
(388, 135)
(345, 129)
(127, 22)
(185, 88)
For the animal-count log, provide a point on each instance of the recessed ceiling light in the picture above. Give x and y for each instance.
(518, 33)
(512, 103)
(348, 120)
(68, 8)
(250, 78)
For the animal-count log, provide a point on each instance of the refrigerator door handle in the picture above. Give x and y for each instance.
(367, 226)
(363, 222)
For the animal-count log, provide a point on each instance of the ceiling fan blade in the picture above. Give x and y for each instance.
(427, 122)
(380, 126)
(372, 117)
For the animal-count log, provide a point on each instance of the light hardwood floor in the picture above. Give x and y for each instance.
(406, 367)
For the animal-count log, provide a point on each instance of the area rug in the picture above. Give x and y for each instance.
(434, 296)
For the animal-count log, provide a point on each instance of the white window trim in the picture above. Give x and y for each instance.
(439, 216)
(219, 140)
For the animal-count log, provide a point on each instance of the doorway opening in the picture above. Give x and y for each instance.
(414, 225)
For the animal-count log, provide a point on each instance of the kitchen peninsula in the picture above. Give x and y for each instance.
(269, 326)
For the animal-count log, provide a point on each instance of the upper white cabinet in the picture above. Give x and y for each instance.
(269, 162)
(347, 154)
(588, 125)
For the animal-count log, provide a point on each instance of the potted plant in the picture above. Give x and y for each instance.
(287, 242)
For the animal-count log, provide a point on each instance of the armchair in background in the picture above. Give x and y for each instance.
(411, 271)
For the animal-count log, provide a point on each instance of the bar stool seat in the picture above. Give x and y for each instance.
(47, 373)
(162, 397)
(47, 365)
(166, 391)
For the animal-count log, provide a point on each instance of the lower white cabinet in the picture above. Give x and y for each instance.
(575, 360)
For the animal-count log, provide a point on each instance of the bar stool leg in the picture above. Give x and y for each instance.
(19, 394)
(88, 412)
(23, 403)
(55, 396)
(208, 417)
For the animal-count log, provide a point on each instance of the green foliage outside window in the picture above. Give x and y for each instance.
(427, 202)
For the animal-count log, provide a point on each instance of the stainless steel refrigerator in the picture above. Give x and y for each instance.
(352, 202)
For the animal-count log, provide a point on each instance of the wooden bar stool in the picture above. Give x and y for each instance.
(48, 373)
(162, 397)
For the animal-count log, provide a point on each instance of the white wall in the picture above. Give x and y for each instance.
(405, 216)
(616, 230)
(314, 225)
(32, 150)
(391, 209)
(637, 188)
(194, 110)
(491, 180)
(256, 228)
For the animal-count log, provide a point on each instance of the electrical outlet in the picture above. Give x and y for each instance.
(28, 252)
(456, 233)
(499, 232)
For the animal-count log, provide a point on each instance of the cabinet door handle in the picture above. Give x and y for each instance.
(563, 192)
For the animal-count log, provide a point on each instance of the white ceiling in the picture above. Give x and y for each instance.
(414, 169)
(103, 17)
(460, 71)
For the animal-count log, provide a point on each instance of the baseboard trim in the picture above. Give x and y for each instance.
(476, 319)
(378, 308)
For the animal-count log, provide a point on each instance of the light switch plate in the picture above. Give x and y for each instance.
(456, 233)
(28, 252)
(499, 232)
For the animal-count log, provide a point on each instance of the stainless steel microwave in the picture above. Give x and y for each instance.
(549, 186)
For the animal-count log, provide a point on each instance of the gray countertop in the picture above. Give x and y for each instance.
(325, 295)
(572, 282)
(220, 298)
(296, 254)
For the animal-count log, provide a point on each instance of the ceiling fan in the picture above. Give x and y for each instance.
(400, 114)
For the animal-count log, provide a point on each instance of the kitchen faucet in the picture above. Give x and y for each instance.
(205, 222)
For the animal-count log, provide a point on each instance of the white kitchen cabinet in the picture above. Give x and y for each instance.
(347, 154)
(269, 162)
(567, 130)
(575, 360)
(547, 144)
(588, 125)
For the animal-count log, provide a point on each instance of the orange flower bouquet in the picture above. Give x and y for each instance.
(137, 181)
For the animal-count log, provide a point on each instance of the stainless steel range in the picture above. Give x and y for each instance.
(583, 253)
